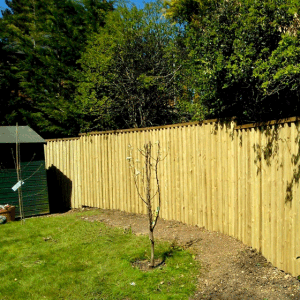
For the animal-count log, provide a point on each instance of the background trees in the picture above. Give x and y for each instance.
(68, 66)
(234, 60)
(41, 42)
(129, 71)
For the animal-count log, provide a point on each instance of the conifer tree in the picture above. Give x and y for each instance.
(44, 39)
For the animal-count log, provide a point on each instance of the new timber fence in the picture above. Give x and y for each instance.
(239, 180)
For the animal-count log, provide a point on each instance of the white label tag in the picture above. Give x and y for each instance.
(17, 185)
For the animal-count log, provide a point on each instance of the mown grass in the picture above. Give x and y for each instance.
(67, 257)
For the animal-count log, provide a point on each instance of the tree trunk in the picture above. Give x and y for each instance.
(151, 237)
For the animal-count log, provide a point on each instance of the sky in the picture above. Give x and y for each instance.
(2, 5)
(138, 3)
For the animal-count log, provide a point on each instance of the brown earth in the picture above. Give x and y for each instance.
(230, 270)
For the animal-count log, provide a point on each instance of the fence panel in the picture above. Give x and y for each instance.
(242, 181)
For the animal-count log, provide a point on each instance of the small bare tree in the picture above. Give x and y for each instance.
(146, 192)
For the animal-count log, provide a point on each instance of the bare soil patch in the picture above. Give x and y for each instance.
(144, 265)
(230, 270)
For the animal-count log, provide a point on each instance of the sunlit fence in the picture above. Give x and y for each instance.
(241, 181)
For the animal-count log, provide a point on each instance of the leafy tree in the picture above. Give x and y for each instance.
(130, 70)
(234, 49)
(280, 72)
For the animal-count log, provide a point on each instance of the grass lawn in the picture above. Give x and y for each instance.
(66, 257)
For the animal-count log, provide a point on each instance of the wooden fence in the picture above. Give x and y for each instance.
(241, 181)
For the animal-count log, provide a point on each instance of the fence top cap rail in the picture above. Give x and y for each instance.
(157, 127)
(268, 123)
(62, 139)
(239, 127)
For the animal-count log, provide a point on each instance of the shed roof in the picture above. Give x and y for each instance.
(25, 135)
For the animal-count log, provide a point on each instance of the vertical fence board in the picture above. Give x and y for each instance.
(288, 204)
(163, 178)
(208, 182)
(189, 166)
(195, 175)
(255, 224)
(122, 161)
(89, 181)
(127, 173)
(294, 203)
(98, 201)
(72, 163)
(80, 175)
(168, 173)
(102, 171)
(225, 182)
(90, 171)
(232, 188)
(115, 170)
(274, 203)
(239, 170)
(264, 189)
(204, 166)
(98, 171)
(183, 182)
(219, 183)
(214, 174)
(198, 178)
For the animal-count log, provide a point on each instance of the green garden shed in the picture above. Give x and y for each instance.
(33, 172)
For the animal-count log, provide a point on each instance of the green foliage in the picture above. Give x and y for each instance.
(128, 74)
(186, 11)
(243, 56)
(189, 105)
(101, 69)
(42, 46)
(129, 71)
(66, 257)
(280, 72)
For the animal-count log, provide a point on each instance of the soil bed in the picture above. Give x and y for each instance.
(230, 270)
